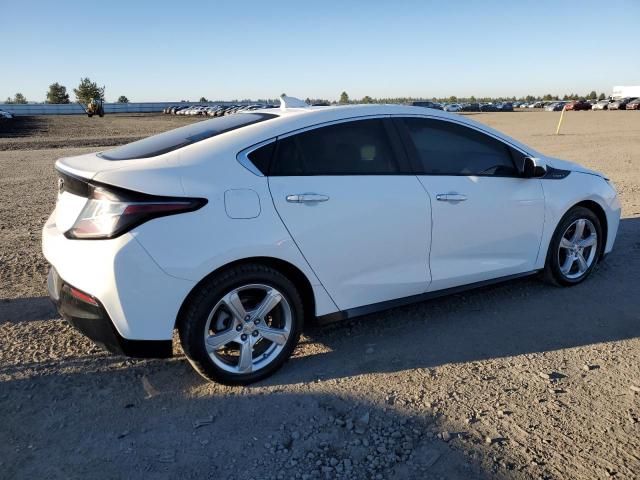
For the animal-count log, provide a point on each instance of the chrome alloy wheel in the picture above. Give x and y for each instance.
(578, 248)
(248, 328)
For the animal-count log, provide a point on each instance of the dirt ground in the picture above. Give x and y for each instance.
(517, 381)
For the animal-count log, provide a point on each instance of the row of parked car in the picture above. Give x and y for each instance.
(213, 110)
(466, 107)
(551, 106)
(628, 103)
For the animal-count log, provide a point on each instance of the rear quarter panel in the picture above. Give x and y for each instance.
(192, 245)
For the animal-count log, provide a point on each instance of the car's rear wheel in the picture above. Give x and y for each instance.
(575, 247)
(241, 325)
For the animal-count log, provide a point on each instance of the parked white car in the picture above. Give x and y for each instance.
(237, 230)
(601, 105)
(454, 107)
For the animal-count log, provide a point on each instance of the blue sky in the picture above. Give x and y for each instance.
(258, 49)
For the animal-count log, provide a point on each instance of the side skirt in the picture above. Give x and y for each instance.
(400, 302)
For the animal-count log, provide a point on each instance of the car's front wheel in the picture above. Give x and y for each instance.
(242, 325)
(575, 247)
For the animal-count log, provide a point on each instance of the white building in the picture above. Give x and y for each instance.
(622, 92)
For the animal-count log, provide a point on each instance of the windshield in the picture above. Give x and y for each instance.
(181, 137)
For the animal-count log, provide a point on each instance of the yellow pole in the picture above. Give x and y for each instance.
(561, 116)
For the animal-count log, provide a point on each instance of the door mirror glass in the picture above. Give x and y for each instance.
(531, 169)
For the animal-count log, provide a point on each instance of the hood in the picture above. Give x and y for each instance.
(571, 166)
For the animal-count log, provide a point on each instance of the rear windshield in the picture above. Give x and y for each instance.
(181, 137)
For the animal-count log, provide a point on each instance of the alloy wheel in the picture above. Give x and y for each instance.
(578, 248)
(248, 328)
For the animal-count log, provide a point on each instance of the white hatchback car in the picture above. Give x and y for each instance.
(237, 229)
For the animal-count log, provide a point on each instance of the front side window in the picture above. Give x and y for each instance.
(446, 148)
(360, 147)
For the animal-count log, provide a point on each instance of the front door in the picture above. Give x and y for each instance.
(361, 222)
(487, 219)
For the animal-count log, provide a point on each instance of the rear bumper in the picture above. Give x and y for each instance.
(140, 300)
(93, 321)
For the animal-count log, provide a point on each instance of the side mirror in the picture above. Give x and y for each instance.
(531, 169)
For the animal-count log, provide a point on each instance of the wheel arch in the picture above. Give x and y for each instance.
(599, 212)
(288, 269)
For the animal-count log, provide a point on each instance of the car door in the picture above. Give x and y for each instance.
(487, 219)
(358, 214)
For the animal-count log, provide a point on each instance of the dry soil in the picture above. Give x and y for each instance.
(516, 381)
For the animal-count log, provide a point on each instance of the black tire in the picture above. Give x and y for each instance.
(90, 115)
(192, 324)
(552, 271)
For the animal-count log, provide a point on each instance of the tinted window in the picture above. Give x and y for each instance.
(261, 157)
(446, 148)
(352, 148)
(181, 137)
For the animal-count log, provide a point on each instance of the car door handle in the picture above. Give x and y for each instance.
(307, 198)
(451, 197)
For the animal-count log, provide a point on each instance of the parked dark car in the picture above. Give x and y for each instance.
(620, 104)
(504, 107)
(634, 104)
(471, 107)
(578, 105)
(488, 107)
(434, 105)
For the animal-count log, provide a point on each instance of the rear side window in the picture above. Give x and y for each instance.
(360, 147)
(445, 148)
(181, 137)
(261, 157)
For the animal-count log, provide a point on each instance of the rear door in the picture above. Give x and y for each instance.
(358, 214)
(487, 219)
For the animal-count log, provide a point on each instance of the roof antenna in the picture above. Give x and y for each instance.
(291, 102)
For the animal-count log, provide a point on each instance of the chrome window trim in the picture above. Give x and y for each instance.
(243, 158)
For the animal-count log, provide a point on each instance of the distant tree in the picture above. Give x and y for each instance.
(453, 99)
(366, 99)
(123, 99)
(548, 96)
(472, 99)
(203, 100)
(17, 98)
(344, 98)
(593, 95)
(57, 94)
(87, 91)
(601, 97)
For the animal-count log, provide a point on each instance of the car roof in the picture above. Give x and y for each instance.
(288, 120)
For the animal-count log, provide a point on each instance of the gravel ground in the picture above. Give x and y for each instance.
(516, 381)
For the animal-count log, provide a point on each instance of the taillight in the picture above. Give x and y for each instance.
(112, 211)
(83, 297)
